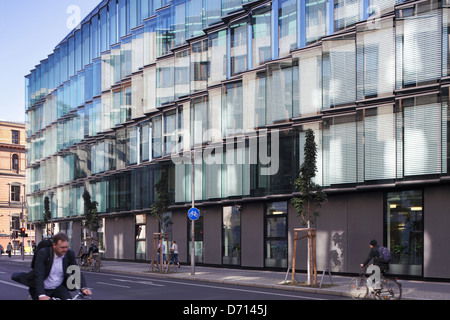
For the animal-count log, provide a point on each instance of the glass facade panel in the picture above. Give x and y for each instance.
(217, 55)
(254, 100)
(287, 26)
(231, 231)
(238, 47)
(346, 13)
(232, 109)
(316, 20)
(199, 66)
(419, 47)
(339, 150)
(375, 59)
(308, 89)
(194, 19)
(276, 248)
(339, 71)
(164, 31)
(165, 81)
(279, 97)
(422, 135)
(262, 39)
(179, 25)
(376, 137)
(405, 236)
(182, 73)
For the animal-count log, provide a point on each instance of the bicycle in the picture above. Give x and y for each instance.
(82, 262)
(384, 289)
(93, 264)
(79, 296)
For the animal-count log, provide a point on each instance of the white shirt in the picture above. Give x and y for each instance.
(56, 276)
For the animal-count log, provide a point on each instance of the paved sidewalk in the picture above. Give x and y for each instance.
(412, 290)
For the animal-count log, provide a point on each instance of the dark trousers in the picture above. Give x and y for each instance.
(60, 292)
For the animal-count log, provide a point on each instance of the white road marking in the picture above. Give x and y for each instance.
(219, 287)
(14, 284)
(112, 284)
(141, 282)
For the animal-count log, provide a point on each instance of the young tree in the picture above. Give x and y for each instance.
(311, 194)
(92, 222)
(47, 213)
(160, 206)
(162, 203)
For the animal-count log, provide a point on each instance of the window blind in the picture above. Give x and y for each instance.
(422, 48)
(379, 145)
(339, 72)
(422, 139)
(376, 60)
(340, 151)
(309, 83)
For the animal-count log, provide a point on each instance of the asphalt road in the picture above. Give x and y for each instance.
(111, 286)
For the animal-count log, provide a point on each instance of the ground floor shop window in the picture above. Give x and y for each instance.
(198, 239)
(404, 228)
(276, 244)
(231, 221)
(140, 231)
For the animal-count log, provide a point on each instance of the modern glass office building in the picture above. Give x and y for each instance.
(140, 84)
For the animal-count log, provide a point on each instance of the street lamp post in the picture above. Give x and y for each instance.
(192, 221)
(51, 212)
(23, 233)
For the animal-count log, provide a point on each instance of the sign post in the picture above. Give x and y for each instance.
(193, 214)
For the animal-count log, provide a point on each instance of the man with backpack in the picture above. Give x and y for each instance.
(380, 256)
(49, 275)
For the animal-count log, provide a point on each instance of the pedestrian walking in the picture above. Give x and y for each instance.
(174, 252)
(161, 247)
(9, 249)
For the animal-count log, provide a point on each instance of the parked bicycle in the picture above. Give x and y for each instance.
(363, 287)
(167, 267)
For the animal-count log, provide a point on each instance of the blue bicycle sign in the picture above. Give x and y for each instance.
(193, 213)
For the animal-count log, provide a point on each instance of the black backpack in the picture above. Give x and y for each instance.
(43, 244)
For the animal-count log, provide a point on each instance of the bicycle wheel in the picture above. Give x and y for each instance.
(357, 288)
(96, 265)
(89, 264)
(390, 290)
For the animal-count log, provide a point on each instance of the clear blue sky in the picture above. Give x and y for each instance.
(29, 31)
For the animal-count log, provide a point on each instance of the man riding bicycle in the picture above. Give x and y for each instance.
(375, 255)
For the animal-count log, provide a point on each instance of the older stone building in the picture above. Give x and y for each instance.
(12, 183)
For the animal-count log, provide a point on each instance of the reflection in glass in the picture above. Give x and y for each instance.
(405, 232)
(231, 236)
(276, 250)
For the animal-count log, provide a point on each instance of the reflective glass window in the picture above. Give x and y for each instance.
(231, 232)
(316, 20)
(262, 40)
(405, 232)
(239, 60)
(276, 244)
(217, 57)
(339, 71)
(287, 26)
